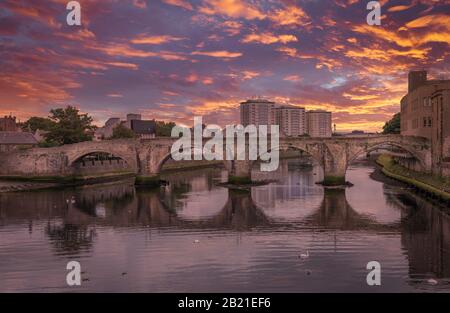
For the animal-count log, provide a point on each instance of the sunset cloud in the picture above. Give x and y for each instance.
(268, 38)
(171, 59)
(218, 54)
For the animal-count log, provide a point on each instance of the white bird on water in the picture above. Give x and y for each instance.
(432, 281)
(304, 255)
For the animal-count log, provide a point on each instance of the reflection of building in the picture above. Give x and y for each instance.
(416, 106)
(13, 140)
(426, 239)
(8, 123)
(318, 123)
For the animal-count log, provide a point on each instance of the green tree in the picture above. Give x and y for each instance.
(163, 129)
(34, 123)
(69, 126)
(392, 126)
(120, 131)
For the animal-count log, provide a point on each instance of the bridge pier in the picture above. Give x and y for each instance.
(334, 165)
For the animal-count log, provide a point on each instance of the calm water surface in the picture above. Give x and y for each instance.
(196, 236)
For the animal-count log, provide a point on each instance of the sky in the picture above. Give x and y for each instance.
(175, 59)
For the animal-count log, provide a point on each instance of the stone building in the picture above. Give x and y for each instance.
(416, 106)
(440, 136)
(12, 140)
(107, 130)
(8, 123)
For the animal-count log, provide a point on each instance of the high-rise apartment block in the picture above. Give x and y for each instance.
(293, 120)
(318, 123)
(258, 112)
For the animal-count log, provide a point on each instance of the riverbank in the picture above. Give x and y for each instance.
(437, 187)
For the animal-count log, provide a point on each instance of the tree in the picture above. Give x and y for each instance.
(164, 129)
(120, 131)
(392, 126)
(34, 123)
(69, 126)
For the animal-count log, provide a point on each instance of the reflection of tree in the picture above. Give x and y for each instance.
(70, 238)
(115, 197)
(336, 213)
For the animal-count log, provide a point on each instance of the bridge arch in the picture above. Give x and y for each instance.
(100, 162)
(160, 163)
(375, 146)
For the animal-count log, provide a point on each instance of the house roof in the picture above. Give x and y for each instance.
(17, 138)
(143, 127)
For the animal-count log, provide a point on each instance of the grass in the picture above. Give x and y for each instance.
(63, 180)
(333, 181)
(432, 184)
(239, 180)
(149, 181)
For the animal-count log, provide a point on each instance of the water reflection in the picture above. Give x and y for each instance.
(241, 235)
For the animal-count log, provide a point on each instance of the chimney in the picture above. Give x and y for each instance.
(416, 79)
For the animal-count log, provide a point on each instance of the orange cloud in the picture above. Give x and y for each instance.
(293, 78)
(180, 3)
(231, 8)
(218, 54)
(290, 15)
(269, 38)
(154, 40)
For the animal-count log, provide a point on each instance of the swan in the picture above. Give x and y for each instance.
(432, 281)
(304, 255)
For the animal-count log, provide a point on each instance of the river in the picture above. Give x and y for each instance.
(195, 236)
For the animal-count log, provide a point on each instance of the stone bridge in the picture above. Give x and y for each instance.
(145, 158)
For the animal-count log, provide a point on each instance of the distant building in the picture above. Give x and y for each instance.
(416, 106)
(258, 112)
(144, 129)
(132, 117)
(106, 131)
(12, 140)
(292, 120)
(8, 123)
(318, 123)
